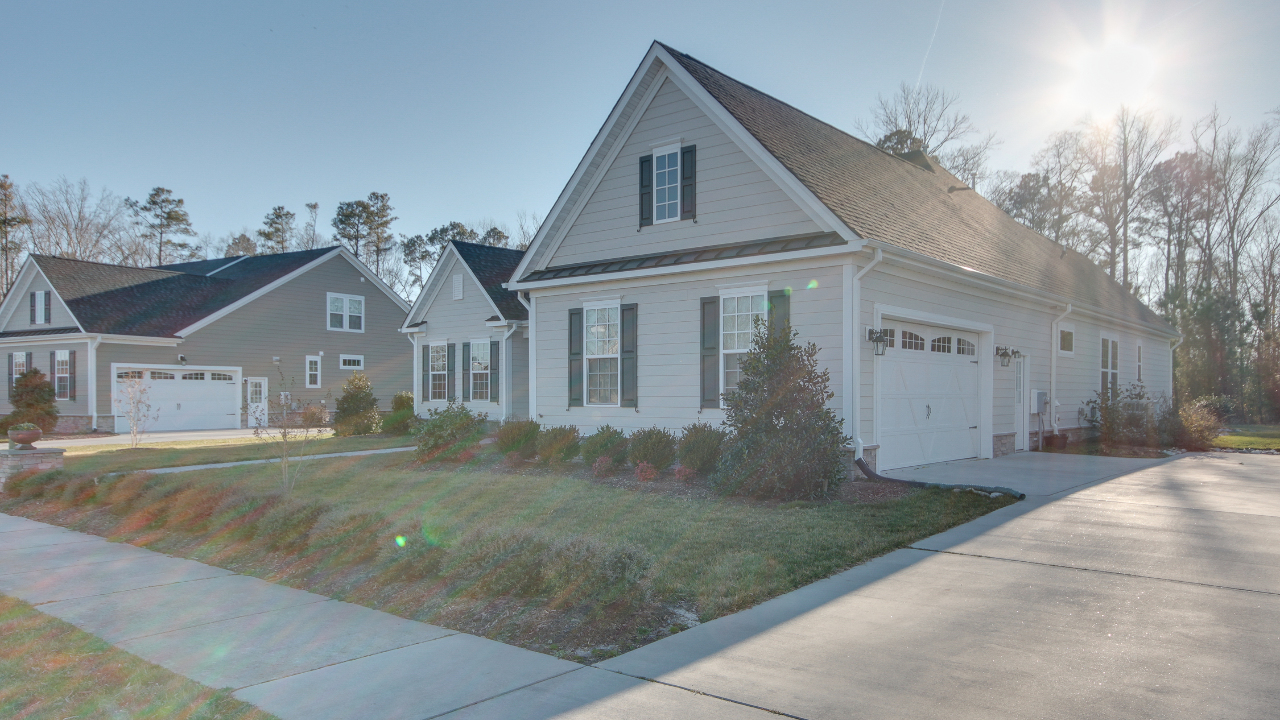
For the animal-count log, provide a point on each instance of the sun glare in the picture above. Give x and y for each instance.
(1100, 78)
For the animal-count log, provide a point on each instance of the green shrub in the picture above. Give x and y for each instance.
(655, 446)
(1123, 418)
(447, 431)
(1222, 406)
(606, 441)
(399, 422)
(402, 400)
(1198, 426)
(558, 443)
(357, 408)
(700, 447)
(784, 441)
(34, 401)
(518, 436)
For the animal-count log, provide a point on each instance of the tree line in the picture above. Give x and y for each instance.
(67, 219)
(1188, 220)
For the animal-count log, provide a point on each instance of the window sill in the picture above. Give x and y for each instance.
(332, 329)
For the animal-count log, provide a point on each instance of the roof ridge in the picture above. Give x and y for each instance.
(39, 256)
(486, 247)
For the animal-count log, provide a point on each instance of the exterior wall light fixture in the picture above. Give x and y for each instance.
(878, 338)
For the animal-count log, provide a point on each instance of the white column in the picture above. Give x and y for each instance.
(417, 371)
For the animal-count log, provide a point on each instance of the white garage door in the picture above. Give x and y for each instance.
(929, 396)
(181, 398)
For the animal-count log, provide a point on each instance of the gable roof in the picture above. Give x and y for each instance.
(883, 197)
(159, 302)
(493, 266)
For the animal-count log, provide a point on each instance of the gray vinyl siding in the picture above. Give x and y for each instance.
(668, 341)
(736, 200)
(20, 320)
(40, 350)
(290, 322)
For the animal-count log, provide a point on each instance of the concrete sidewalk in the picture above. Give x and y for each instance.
(151, 437)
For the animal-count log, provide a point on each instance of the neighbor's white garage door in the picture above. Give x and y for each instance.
(182, 398)
(929, 396)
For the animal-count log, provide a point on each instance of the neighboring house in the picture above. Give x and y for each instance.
(211, 339)
(469, 334)
(703, 204)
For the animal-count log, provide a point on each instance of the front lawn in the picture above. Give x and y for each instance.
(50, 670)
(101, 459)
(549, 559)
(1250, 437)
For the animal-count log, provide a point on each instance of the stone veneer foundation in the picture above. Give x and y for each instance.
(13, 462)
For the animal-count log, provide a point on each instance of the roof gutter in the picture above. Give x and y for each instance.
(1053, 368)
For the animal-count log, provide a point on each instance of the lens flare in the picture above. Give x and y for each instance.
(400, 540)
(813, 284)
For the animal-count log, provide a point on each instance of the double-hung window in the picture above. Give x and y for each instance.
(1110, 367)
(666, 183)
(346, 312)
(601, 332)
(738, 314)
(480, 369)
(438, 368)
(19, 364)
(313, 371)
(62, 373)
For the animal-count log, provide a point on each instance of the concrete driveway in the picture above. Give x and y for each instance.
(151, 437)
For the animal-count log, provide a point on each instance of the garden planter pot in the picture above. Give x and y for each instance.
(1058, 441)
(24, 438)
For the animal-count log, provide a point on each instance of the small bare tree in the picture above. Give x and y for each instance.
(287, 427)
(133, 403)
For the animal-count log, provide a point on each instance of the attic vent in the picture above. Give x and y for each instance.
(918, 158)
(457, 286)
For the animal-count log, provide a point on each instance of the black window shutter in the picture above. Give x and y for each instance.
(53, 368)
(33, 308)
(453, 380)
(779, 309)
(575, 357)
(11, 376)
(495, 369)
(710, 360)
(48, 307)
(71, 374)
(646, 190)
(688, 178)
(29, 359)
(466, 371)
(628, 376)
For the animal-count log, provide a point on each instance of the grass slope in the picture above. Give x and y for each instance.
(50, 670)
(115, 458)
(534, 557)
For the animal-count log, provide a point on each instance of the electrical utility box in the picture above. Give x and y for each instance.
(1042, 403)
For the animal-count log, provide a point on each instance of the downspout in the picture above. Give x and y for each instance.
(92, 366)
(1053, 369)
(854, 376)
(506, 373)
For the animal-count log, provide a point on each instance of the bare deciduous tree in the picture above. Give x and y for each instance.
(928, 118)
(133, 403)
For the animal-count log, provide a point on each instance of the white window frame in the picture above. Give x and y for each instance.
(457, 286)
(666, 150)
(488, 374)
(346, 312)
(19, 364)
(615, 305)
(1066, 327)
(306, 370)
(762, 290)
(432, 373)
(1106, 345)
(342, 362)
(62, 371)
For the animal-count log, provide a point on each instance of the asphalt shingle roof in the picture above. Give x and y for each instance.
(886, 198)
(493, 266)
(158, 302)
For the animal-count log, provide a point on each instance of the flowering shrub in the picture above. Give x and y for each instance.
(646, 472)
(685, 474)
(603, 466)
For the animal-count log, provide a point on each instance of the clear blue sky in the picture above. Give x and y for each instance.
(471, 110)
